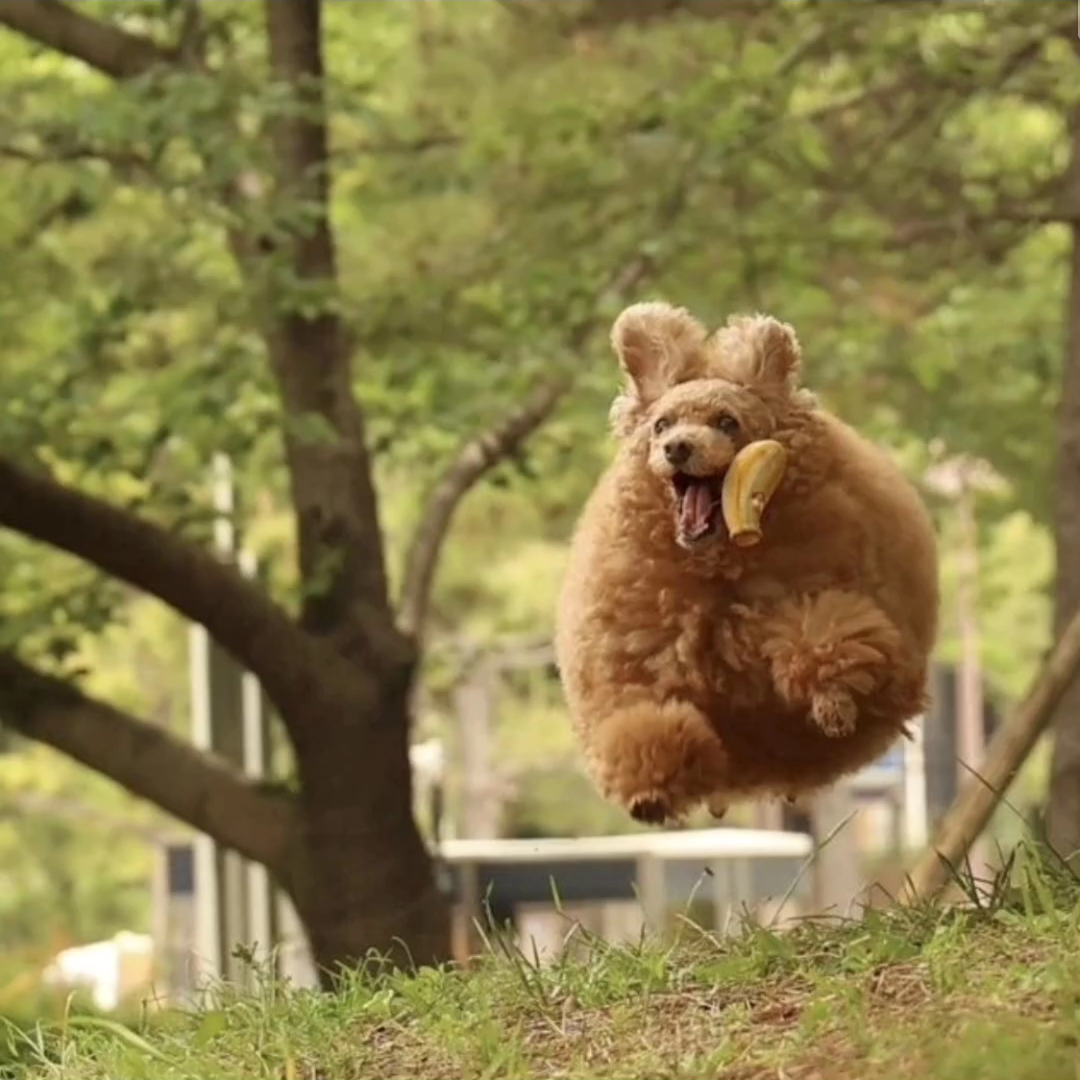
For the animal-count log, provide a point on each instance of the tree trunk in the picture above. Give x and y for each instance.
(367, 885)
(1063, 813)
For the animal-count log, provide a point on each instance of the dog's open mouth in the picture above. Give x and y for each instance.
(697, 507)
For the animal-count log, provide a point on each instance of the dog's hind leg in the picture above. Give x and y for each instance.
(828, 650)
(658, 760)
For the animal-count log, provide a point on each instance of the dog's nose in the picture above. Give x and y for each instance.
(678, 451)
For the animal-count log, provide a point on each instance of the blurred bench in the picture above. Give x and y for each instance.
(726, 870)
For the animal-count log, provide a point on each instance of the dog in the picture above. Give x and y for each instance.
(701, 667)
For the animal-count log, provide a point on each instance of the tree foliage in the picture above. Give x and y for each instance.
(381, 287)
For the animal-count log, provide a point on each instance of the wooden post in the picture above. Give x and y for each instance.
(837, 876)
(468, 911)
(1008, 750)
(652, 893)
(474, 703)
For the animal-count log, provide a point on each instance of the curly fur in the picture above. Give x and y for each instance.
(706, 673)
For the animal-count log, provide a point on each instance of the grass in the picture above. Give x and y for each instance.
(978, 992)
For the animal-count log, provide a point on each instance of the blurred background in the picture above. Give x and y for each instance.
(898, 180)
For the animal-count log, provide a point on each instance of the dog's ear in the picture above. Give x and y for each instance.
(658, 345)
(758, 350)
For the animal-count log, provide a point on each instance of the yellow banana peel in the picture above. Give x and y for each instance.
(751, 481)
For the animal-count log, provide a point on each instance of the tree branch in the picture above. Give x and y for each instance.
(197, 788)
(239, 615)
(483, 452)
(110, 50)
(984, 789)
(476, 458)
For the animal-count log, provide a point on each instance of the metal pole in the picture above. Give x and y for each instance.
(970, 734)
(209, 945)
(217, 726)
(262, 922)
(915, 814)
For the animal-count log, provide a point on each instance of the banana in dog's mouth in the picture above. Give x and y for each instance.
(735, 497)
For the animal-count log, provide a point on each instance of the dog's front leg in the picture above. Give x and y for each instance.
(828, 650)
(659, 760)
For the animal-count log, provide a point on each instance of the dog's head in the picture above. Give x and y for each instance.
(692, 401)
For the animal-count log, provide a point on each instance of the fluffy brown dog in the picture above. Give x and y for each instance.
(700, 671)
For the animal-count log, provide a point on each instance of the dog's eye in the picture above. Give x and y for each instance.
(661, 425)
(726, 423)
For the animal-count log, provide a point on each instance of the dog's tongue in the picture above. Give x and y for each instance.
(695, 510)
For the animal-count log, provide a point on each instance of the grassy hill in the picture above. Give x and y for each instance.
(952, 993)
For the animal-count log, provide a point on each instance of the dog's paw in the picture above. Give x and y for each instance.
(834, 712)
(718, 806)
(651, 809)
(804, 672)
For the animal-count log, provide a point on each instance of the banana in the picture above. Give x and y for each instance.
(751, 481)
